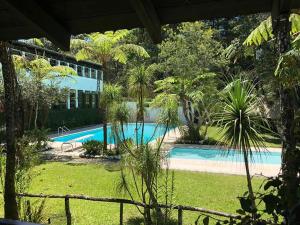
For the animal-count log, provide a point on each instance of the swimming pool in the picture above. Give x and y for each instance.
(221, 155)
(151, 132)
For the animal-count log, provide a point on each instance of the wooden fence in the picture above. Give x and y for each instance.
(122, 202)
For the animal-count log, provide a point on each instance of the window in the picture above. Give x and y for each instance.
(93, 74)
(87, 72)
(80, 99)
(94, 100)
(87, 99)
(62, 63)
(53, 62)
(100, 75)
(79, 70)
(72, 66)
(72, 99)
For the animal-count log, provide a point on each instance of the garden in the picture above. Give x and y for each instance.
(224, 84)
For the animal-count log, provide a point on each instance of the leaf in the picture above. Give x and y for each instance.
(241, 212)
(206, 220)
(261, 33)
(272, 183)
(246, 204)
(271, 201)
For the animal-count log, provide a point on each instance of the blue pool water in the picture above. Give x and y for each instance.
(151, 132)
(222, 155)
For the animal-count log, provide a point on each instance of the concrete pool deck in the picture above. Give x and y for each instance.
(238, 168)
(196, 165)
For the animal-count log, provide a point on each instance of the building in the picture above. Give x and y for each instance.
(84, 88)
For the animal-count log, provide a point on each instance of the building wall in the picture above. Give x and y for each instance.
(152, 114)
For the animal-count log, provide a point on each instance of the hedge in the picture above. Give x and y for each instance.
(73, 118)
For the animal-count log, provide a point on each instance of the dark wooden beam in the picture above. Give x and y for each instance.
(148, 17)
(37, 18)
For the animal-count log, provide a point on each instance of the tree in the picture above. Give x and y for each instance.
(105, 48)
(9, 78)
(139, 84)
(241, 123)
(197, 96)
(41, 72)
(190, 59)
(111, 93)
(288, 25)
(142, 162)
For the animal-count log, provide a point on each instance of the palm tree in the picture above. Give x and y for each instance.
(104, 48)
(40, 71)
(111, 93)
(139, 84)
(240, 121)
(107, 47)
(119, 117)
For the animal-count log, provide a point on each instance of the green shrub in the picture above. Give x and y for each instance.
(93, 148)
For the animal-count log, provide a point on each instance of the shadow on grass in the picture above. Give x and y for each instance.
(140, 221)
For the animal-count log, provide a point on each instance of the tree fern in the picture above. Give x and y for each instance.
(264, 31)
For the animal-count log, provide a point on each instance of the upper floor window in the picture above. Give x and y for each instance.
(62, 63)
(93, 73)
(53, 62)
(87, 72)
(79, 70)
(72, 66)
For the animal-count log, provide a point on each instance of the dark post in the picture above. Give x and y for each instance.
(179, 215)
(121, 213)
(282, 28)
(68, 212)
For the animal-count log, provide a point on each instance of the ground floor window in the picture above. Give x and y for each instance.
(72, 99)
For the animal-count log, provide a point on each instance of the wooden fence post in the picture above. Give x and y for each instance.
(121, 213)
(67, 210)
(179, 215)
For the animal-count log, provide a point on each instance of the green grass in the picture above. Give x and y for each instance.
(215, 133)
(212, 191)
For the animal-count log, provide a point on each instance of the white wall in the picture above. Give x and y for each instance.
(152, 114)
(80, 83)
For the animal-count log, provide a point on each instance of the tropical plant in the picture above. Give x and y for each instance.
(92, 148)
(139, 85)
(264, 32)
(40, 72)
(241, 125)
(119, 118)
(111, 93)
(287, 74)
(141, 160)
(197, 96)
(106, 47)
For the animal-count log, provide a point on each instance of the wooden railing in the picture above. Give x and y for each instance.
(122, 202)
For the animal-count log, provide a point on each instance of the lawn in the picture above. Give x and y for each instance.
(212, 191)
(215, 133)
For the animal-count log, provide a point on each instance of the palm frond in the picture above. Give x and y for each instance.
(261, 33)
(240, 121)
(264, 31)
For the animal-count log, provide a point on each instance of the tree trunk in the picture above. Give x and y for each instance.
(249, 185)
(10, 203)
(105, 130)
(36, 114)
(287, 108)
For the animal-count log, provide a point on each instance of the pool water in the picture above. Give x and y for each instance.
(151, 132)
(222, 155)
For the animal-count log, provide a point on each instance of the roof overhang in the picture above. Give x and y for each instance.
(57, 20)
